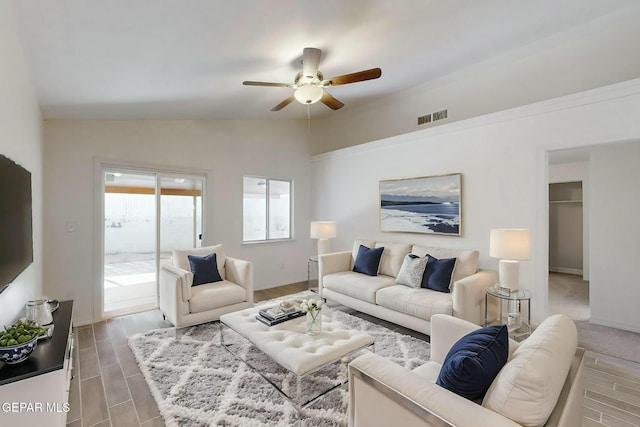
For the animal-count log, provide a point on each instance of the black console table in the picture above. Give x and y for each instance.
(43, 379)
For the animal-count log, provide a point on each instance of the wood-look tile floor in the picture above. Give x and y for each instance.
(612, 392)
(108, 388)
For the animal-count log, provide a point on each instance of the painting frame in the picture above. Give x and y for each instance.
(424, 205)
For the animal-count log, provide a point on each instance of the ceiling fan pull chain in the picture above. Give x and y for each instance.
(309, 119)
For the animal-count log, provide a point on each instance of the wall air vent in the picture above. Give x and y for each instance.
(424, 119)
(432, 117)
(439, 115)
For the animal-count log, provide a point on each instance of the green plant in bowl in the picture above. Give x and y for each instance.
(18, 341)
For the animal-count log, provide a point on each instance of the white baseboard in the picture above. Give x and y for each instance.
(566, 270)
(82, 322)
(617, 325)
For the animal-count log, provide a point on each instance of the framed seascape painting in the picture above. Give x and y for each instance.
(429, 204)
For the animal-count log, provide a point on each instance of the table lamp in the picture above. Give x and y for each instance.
(323, 231)
(510, 246)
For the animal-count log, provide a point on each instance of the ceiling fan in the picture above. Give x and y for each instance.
(310, 83)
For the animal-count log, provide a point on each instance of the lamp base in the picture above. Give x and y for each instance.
(508, 274)
(323, 246)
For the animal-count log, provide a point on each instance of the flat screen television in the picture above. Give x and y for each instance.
(16, 230)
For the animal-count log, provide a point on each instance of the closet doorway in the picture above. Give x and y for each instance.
(568, 291)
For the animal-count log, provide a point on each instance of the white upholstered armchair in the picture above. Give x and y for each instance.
(541, 384)
(185, 305)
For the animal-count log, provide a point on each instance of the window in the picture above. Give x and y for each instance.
(266, 209)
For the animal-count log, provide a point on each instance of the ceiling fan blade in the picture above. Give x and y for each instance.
(310, 61)
(250, 83)
(331, 102)
(360, 76)
(283, 104)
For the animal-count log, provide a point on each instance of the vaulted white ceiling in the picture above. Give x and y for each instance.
(168, 59)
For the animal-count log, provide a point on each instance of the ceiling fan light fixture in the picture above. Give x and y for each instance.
(309, 82)
(308, 94)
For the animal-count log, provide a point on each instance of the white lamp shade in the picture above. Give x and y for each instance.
(510, 244)
(323, 229)
(308, 94)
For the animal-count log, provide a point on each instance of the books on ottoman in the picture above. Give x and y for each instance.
(273, 316)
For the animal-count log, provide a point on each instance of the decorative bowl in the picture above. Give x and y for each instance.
(18, 353)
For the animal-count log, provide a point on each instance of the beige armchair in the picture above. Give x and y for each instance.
(185, 305)
(541, 384)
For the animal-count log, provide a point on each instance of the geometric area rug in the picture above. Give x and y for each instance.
(196, 382)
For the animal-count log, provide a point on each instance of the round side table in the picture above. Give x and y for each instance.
(512, 314)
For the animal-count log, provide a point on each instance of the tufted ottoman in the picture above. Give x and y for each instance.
(289, 346)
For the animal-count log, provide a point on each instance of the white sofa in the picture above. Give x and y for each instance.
(381, 297)
(186, 305)
(541, 384)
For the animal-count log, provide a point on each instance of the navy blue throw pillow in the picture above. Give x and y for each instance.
(474, 361)
(368, 260)
(437, 273)
(204, 269)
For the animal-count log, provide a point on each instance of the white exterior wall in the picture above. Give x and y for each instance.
(21, 141)
(503, 159)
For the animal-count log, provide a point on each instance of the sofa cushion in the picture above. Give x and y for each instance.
(421, 303)
(528, 387)
(474, 361)
(214, 295)
(368, 260)
(466, 264)
(357, 285)
(412, 271)
(392, 257)
(438, 273)
(180, 257)
(204, 269)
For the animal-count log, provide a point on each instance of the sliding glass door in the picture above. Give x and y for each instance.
(147, 214)
(180, 213)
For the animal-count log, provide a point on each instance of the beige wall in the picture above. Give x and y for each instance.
(21, 141)
(226, 150)
(565, 238)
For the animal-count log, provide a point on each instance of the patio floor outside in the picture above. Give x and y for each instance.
(129, 283)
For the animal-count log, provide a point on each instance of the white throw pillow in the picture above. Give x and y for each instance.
(411, 271)
(528, 386)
